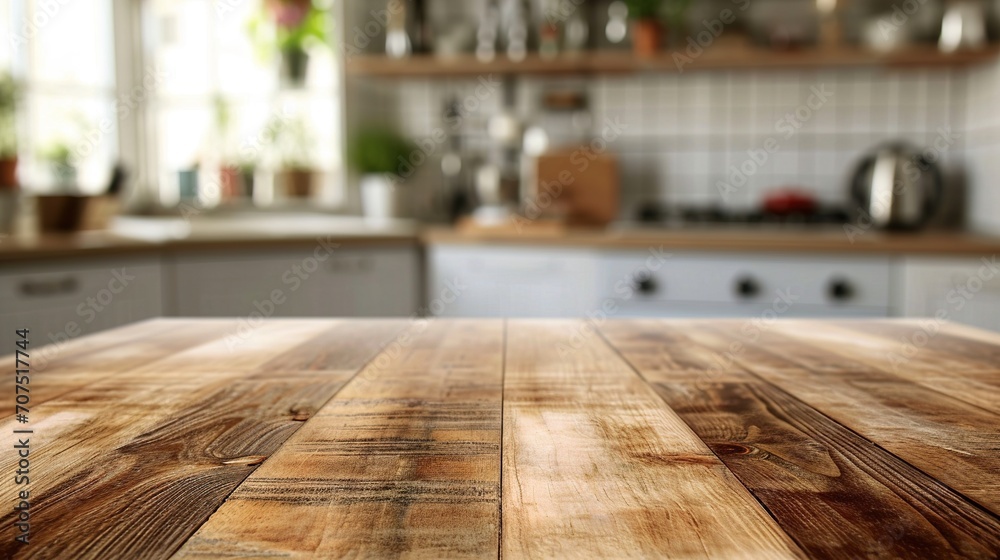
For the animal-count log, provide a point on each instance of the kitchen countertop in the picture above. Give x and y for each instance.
(731, 238)
(722, 239)
(87, 244)
(349, 438)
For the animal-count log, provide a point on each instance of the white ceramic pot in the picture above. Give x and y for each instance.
(379, 199)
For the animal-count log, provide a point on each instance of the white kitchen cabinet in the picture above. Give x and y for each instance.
(377, 282)
(554, 282)
(745, 285)
(477, 281)
(964, 290)
(64, 300)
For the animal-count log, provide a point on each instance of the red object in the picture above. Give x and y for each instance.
(229, 181)
(790, 201)
(289, 14)
(8, 173)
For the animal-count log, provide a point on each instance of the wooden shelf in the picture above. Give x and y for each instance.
(731, 56)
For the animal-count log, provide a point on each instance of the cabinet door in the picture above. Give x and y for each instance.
(511, 282)
(692, 285)
(965, 290)
(348, 283)
(57, 301)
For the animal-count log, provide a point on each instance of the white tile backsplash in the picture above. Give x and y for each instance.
(682, 132)
(982, 146)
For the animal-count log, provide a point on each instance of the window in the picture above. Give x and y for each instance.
(62, 54)
(220, 103)
(199, 94)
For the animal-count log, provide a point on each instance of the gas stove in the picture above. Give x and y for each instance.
(653, 215)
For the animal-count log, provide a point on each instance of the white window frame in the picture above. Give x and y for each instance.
(20, 69)
(136, 134)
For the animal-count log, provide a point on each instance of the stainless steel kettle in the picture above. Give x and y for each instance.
(897, 187)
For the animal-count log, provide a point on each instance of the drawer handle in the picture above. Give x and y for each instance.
(645, 284)
(747, 287)
(49, 288)
(841, 290)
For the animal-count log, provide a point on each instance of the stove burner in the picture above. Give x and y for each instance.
(655, 214)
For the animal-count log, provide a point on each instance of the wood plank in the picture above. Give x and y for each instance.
(725, 53)
(892, 354)
(596, 466)
(684, 356)
(830, 489)
(962, 364)
(729, 240)
(951, 440)
(405, 461)
(73, 354)
(941, 342)
(108, 354)
(133, 465)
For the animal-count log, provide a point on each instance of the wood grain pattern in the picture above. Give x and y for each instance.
(725, 54)
(81, 362)
(937, 357)
(951, 440)
(596, 467)
(104, 244)
(405, 461)
(527, 439)
(812, 473)
(136, 463)
(725, 239)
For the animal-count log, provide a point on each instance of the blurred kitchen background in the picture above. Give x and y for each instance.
(607, 159)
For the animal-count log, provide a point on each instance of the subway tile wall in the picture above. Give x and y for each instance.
(683, 135)
(983, 148)
(699, 136)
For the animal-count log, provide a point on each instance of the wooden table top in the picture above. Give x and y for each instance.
(531, 439)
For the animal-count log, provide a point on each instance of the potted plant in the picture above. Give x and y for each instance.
(297, 178)
(248, 172)
(59, 156)
(293, 141)
(187, 182)
(380, 156)
(291, 28)
(8, 132)
(229, 170)
(646, 30)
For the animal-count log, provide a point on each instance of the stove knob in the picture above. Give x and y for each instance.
(747, 287)
(645, 284)
(841, 290)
